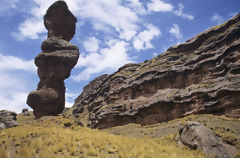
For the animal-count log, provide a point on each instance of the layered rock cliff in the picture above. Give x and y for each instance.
(199, 76)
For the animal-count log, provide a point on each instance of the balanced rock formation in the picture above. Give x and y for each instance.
(199, 76)
(197, 136)
(55, 62)
(8, 119)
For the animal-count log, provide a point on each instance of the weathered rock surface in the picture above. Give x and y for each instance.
(59, 21)
(197, 136)
(55, 62)
(199, 76)
(7, 119)
(88, 90)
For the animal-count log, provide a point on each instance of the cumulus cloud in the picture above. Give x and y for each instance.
(13, 86)
(175, 30)
(159, 6)
(109, 14)
(100, 13)
(137, 6)
(143, 40)
(32, 26)
(107, 59)
(91, 44)
(180, 13)
(218, 19)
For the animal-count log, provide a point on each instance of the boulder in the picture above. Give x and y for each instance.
(8, 119)
(197, 136)
(59, 21)
(25, 112)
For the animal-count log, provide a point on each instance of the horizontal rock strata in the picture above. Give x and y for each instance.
(199, 76)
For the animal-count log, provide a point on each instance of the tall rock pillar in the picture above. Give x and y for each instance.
(55, 62)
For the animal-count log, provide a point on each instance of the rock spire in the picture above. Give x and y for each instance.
(55, 62)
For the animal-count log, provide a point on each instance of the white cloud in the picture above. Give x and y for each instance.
(175, 30)
(91, 44)
(101, 13)
(137, 6)
(69, 98)
(13, 91)
(15, 63)
(108, 59)
(180, 13)
(159, 6)
(13, 101)
(143, 40)
(111, 13)
(218, 19)
(13, 84)
(32, 26)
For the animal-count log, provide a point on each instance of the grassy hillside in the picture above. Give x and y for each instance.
(62, 137)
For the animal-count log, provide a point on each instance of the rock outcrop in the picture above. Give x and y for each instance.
(197, 136)
(199, 76)
(8, 119)
(55, 62)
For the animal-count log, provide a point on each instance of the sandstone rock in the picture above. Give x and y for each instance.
(197, 136)
(7, 119)
(59, 21)
(54, 63)
(199, 76)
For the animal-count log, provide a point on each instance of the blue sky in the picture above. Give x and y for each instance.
(109, 34)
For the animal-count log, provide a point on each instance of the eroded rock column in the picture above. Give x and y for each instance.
(55, 62)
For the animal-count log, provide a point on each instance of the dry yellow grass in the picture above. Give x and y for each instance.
(48, 138)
